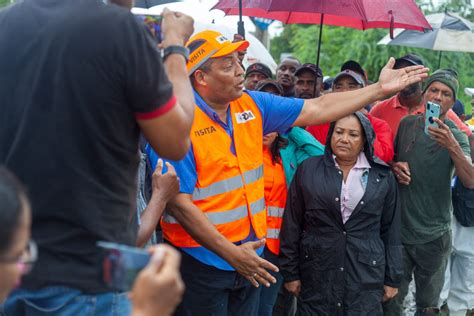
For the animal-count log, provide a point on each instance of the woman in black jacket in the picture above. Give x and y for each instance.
(340, 249)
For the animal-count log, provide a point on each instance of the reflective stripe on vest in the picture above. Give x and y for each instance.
(273, 233)
(275, 199)
(228, 185)
(225, 217)
(275, 211)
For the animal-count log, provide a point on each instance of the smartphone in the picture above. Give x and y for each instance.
(120, 265)
(153, 23)
(432, 111)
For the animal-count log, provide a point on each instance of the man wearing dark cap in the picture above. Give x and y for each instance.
(270, 86)
(408, 101)
(285, 75)
(309, 80)
(424, 166)
(355, 67)
(347, 80)
(254, 73)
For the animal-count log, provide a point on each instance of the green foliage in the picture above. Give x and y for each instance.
(340, 44)
(4, 3)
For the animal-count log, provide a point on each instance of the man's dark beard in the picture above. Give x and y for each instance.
(410, 90)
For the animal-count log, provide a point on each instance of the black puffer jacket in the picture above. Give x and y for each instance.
(342, 267)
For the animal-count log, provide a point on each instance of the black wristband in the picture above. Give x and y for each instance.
(176, 49)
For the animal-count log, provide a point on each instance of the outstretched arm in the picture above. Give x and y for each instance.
(333, 106)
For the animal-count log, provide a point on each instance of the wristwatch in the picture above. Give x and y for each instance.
(176, 49)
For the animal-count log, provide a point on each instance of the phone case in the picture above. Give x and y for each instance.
(120, 264)
(432, 110)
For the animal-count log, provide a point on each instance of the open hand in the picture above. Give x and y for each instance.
(394, 80)
(401, 170)
(251, 266)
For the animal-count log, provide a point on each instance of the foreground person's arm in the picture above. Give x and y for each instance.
(177, 28)
(243, 258)
(333, 106)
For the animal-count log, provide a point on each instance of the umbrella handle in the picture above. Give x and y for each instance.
(392, 23)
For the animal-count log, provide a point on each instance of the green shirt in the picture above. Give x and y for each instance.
(426, 202)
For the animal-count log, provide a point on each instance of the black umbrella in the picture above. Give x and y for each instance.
(151, 3)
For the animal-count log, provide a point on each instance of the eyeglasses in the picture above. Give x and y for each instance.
(26, 259)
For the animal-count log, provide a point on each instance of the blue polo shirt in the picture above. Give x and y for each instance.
(278, 115)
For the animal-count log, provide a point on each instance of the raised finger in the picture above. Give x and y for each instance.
(159, 166)
(416, 78)
(415, 70)
(171, 169)
(441, 124)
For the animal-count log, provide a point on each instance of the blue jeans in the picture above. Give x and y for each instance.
(64, 301)
(210, 291)
(268, 295)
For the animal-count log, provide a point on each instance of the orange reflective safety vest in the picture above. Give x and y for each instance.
(275, 199)
(229, 188)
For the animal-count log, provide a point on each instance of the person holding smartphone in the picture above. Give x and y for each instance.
(424, 166)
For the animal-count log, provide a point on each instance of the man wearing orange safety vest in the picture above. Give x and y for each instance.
(218, 221)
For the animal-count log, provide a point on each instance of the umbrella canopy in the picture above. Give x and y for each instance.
(359, 14)
(450, 33)
(151, 3)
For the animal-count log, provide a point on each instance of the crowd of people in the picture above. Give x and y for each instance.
(254, 195)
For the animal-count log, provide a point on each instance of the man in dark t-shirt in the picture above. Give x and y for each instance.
(78, 81)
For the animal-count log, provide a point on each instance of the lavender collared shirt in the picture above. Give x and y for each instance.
(353, 188)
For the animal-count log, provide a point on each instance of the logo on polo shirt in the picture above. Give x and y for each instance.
(244, 117)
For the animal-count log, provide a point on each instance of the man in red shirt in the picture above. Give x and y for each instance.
(408, 101)
(348, 80)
